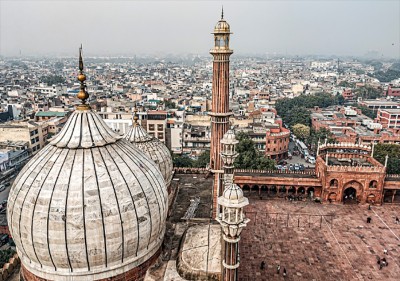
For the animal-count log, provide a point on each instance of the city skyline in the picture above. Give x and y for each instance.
(341, 28)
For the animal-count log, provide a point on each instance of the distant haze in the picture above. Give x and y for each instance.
(105, 28)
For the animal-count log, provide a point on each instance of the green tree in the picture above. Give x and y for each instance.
(52, 79)
(249, 157)
(182, 161)
(296, 110)
(368, 92)
(319, 135)
(393, 151)
(169, 104)
(367, 111)
(301, 131)
(203, 160)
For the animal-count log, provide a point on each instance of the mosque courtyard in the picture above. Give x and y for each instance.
(319, 241)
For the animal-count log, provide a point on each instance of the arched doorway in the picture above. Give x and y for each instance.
(350, 195)
(292, 190)
(396, 197)
(282, 191)
(264, 190)
(388, 196)
(255, 189)
(301, 190)
(273, 190)
(246, 189)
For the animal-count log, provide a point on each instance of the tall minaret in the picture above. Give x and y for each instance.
(220, 101)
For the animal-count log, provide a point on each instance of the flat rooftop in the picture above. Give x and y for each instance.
(349, 162)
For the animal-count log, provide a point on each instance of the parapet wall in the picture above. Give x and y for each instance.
(358, 169)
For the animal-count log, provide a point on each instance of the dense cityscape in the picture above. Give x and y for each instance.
(192, 167)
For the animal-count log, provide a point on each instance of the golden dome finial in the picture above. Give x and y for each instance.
(82, 95)
(135, 116)
(222, 13)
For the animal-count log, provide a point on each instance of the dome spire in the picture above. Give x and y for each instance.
(82, 95)
(222, 13)
(135, 116)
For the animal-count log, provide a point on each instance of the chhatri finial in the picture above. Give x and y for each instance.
(82, 95)
(222, 13)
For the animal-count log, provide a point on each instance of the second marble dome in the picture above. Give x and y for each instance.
(154, 148)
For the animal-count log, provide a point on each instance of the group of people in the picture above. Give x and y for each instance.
(382, 262)
(291, 197)
(278, 268)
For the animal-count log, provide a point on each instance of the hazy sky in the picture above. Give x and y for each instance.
(163, 27)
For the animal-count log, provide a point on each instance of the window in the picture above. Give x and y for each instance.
(151, 128)
(161, 135)
(160, 127)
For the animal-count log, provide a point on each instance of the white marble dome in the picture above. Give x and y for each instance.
(154, 148)
(88, 206)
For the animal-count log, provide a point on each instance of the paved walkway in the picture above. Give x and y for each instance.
(339, 245)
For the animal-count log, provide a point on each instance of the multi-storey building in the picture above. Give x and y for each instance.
(389, 118)
(349, 125)
(393, 92)
(375, 105)
(156, 124)
(277, 143)
(33, 133)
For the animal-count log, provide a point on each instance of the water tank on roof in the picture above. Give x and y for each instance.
(365, 122)
(350, 112)
(373, 126)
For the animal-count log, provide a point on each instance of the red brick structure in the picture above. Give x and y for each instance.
(393, 92)
(344, 173)
(135, 274)
(347, 175)
(348, 94)
(220, 101)
(389, 118)
(351, 126)
(277, 143)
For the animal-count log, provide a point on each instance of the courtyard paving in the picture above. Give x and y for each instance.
(319, 241)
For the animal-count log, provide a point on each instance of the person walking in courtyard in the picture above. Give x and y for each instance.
(284, 272)
(397, 220)
(262, 266)
(385, 251)
(369, 219)
(278, 269)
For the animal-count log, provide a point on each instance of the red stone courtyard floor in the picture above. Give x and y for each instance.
(338, 247)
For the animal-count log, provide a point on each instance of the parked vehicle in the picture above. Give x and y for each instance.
(311, 159)
(296, 167)
(2, 187)
(301, 167)
(289, 155)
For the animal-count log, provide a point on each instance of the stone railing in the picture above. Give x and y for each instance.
(393, 176)
(188, 170)
(309, 172)
(184, 170)
(337, 168)
(9, 267)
